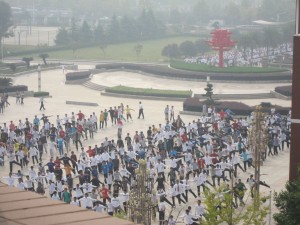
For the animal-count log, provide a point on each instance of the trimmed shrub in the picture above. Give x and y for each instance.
(13, 88)
(40, 94)
(284, 90)
(148, 92)
(78, 75)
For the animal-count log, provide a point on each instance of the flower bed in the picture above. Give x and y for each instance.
(238, 108)
(78, 75)
(206, 68)
(195, 105)
(284, 90)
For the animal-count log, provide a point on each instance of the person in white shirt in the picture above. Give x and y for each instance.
(188, 189)
(20, 184)
(235, 160)
(55, 196)
(125, 200)
(115, 201)
(160, 168)
(87, 202)
(33, 152)
(178, 189)
(189, 219)
(10, 180)
(199, 209)
(161, 211)
(141, 110)
(75, 202)
(99, 208)
(78, 192)
(110, 209)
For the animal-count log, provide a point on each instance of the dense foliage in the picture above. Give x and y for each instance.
(288, 204)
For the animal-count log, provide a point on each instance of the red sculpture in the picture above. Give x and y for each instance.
(221, 42)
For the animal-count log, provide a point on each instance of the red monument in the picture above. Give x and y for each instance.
(221, 42)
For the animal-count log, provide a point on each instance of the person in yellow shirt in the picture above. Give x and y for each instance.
(128, 112)
(102, 118)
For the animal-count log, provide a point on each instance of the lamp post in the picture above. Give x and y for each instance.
(295, 117)
(39, 78)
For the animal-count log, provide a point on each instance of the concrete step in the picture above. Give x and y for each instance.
(94, 86)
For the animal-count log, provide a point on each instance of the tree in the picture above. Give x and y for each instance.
(114, 30)
(171, 51)
(187, 48)
(62, 37)
(5, 82)
(44, 56)
(288, 203)
(27, 60)
(99, 34)
(201, 46)
(220, 209)
(5, 20)
(85, 34)
(138, 49)
(271, 38)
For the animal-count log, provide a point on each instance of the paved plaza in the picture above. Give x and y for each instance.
(275, 169)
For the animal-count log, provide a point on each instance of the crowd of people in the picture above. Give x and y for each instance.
(244, 57)
(182, 156)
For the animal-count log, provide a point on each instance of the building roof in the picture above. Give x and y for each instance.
(19, 207)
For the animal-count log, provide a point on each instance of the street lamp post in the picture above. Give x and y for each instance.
(39, 78)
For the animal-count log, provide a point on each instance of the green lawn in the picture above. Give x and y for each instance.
(148, 92)
(151, 51)
(205, 68)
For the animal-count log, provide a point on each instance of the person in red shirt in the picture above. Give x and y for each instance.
(91, 152)
(104, 193)
(222, 114)
(235, 125)
(80, 115)
(12, 126)
(62, 134)
(214, 157)
(201, 164)
(184, 137)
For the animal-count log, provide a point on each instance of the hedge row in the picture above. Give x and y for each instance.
(148, 92)
(195, 105)
(78, 75)
(284, 90)
(13, 88)
(40, 94)
(162, 70)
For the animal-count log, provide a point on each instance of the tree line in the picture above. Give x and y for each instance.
(118, 30)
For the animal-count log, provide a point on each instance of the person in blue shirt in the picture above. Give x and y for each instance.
(36, 121)
(105, 170)
(173, 153)
(50, 165)
(110, 165)
(60, 145)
